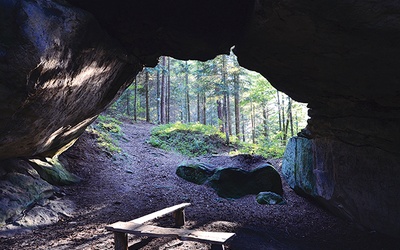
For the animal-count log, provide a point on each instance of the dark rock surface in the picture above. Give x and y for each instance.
(367, 195)
(62, 63)
(58, 71)
(270, 198)
(233, 182)
(20, 188)
(236, 182)
(197, 173)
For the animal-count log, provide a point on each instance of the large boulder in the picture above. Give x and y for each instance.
(233, 182)
(236, 182)
(197, 173)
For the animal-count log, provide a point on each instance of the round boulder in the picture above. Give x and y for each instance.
(236, 182)
(197, 173)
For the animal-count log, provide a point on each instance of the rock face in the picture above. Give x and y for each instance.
(21, 186)
(62, 63)
(346, 183)
(58, 71)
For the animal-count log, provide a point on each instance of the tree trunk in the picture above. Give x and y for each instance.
(226, 123)
(198, 107)
(147, 97)
(265, 121)
(225, 107)
(168, 108)
(204, 109)
(284, 122)
(162, 92)
(220, 116)
(279, 111)
(253, 123)
(290, 115)
(135, 101)
(187, 92)
(158, 97)
(127, 96)
(243, 129)
(237, 108)
(228, 111)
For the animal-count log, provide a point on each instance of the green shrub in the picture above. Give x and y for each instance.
(267, 150)
(191, 139)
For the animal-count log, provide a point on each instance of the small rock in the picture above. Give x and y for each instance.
(270, 198)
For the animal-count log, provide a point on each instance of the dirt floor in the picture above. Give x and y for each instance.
(142, 179)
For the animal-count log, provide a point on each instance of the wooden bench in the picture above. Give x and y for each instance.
(136, 227)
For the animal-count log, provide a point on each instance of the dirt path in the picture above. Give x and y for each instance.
(142, 179)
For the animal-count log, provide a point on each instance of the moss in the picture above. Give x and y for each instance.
(52, 171)
(192, 139)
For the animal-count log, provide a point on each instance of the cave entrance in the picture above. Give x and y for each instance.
(217, 92)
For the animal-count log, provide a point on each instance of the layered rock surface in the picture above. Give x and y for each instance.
(59, 70)
(62, 63)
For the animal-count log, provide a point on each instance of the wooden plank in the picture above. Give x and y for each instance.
(208, 237)
(179, 216)
(160, 213)
(180, 233)
(120, 241)
(217, 247)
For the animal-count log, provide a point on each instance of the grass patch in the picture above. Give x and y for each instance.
(193, 139)
(108, 133)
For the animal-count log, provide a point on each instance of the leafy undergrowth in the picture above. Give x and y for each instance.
(264, 148)
(193, 139)
(108, 132)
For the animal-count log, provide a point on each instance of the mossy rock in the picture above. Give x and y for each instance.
(20, 187)
(52, 171)
(270, 198)
(236, 182)
(197, 173)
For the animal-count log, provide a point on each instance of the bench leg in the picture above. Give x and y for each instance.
(217, 247)
(179, 217)
(121, 241)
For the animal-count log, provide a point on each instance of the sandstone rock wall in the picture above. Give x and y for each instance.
(58, 71)
(63, 62)
(357, 183)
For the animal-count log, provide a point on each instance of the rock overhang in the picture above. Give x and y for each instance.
(340, 57)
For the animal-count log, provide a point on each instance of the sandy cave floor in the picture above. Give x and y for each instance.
(142, 179)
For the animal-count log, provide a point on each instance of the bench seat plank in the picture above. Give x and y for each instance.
(182, 234)
(160, 213)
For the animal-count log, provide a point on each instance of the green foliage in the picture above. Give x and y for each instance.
(264, 148)
(108, 131)
(191, 139)
(266, 116)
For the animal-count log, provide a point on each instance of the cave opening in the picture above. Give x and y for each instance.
(213, 92)
(341, 58)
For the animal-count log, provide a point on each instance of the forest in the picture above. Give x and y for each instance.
(242, 104)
